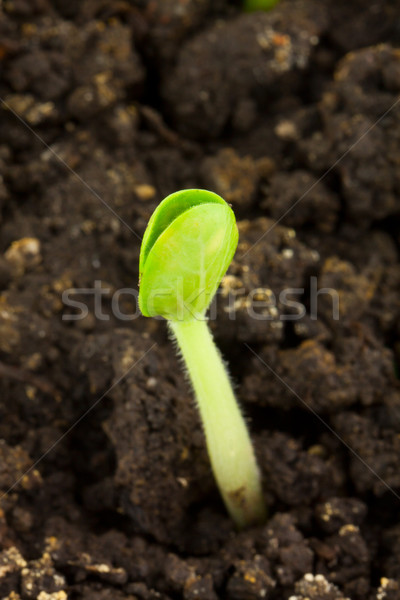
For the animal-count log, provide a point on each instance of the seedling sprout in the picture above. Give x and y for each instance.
(186, 250)
(254, 5)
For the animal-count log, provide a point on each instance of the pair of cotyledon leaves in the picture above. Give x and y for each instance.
(187, 247)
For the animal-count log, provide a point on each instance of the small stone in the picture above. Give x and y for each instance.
(145, 191)
(11, 560)
(287, 130)
(24, 254)
(61, 595)
(317, 587)
(39, 574)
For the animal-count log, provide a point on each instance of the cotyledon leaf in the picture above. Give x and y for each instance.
(168, 210)
(186, 250)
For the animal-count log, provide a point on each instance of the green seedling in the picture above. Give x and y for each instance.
(253, 5)
(186, 250)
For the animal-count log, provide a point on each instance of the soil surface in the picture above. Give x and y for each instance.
(292, 116)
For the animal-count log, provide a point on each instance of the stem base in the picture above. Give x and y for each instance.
(228, 442)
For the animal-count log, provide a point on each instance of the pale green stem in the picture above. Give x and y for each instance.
(228, 442)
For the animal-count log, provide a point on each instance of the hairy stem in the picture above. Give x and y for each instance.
(228, 442)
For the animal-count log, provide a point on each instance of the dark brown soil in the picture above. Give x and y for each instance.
(106, 107)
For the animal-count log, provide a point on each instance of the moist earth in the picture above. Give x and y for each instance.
(292, 116)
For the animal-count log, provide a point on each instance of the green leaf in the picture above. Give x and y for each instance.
(254, 5)
(187, 247)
